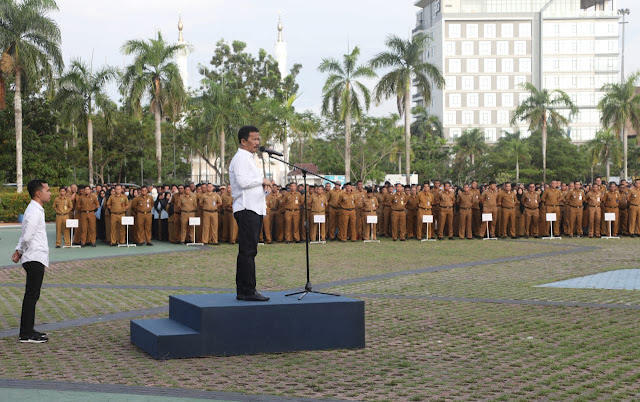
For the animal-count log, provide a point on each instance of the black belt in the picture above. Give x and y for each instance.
(318, 212)
(273, 210)
(426, 209)
(188, 212)
(86, 212)
(117, 213)
(507, 207)
(446, 207)
(347, 209)
(209, 210)
(611, 207)
(466, 209)
(292, 209)
(365, 210)
(574, 207)
(635, 205)
(533, 209)
(63, 214)
(552, 206)
(142, 212)
(593, 206)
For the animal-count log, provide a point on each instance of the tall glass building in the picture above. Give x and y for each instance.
(487, 48)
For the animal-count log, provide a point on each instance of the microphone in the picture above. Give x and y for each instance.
(271, 151)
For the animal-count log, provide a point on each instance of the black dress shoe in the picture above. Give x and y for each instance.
(93, 244)
(57, 246)
(149, 244)
(257, 296)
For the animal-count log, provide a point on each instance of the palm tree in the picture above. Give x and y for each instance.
(607, 146)
(541, 110)
(621, 104)
(30, 46)
(404, 57)
(425, 123)
(154, 74)
(471, 143)
(518, 149)
(82, 90)
(342, 93)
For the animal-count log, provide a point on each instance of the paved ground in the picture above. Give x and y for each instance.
(627, 279)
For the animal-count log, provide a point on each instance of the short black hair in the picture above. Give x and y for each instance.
(34, 186)
(243, 133)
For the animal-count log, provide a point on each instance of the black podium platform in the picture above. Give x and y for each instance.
(218, 324)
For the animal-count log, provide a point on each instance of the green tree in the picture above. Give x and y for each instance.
(619, 106)
(541, 109)
(471, 144)
(30, 45)
(405, 58)
(425, 123)
(606, 146)
(342, 93)
(82, 91)
(154, 74)
(517, 149)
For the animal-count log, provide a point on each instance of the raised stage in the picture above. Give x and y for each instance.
(219, 325)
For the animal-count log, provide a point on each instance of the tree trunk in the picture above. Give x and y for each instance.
(222, 161)
(90, 141)
(347, 138)
(158, 118)
(625, 146)
(517, 170)
(544, 148)
(407, 132)
(18, 127)
(608, 169)
(285, 144)
(473, 159)
(591, 173)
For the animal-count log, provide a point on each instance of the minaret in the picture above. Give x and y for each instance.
(281, 50)
(181, 56)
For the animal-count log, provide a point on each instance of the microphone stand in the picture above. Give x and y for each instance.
(307, 287)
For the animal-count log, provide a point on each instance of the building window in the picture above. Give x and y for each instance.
(455, 100)
(450, 83)
(502, 82)
(484, 48)
(467, 117)
(455, 66)
(450, 48)
(502, 48)
(489, 65)
(507, 31)
(472, 65)
(450, 118)
(503, 117)
(507, 100)
(467, 48)
(454, 133)
(524, 65)
(520, 48)
(489, 30)
(524, 30)
(467, 83)
(518, 80)
(485, 117)
(507, 65)
(454, 31)
(472, 31)
(473, 100)
(485, 83)
(490, 100)
(490, 134)
(523, 96)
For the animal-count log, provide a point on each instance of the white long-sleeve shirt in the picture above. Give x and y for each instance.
(246, 183)
(33, 243)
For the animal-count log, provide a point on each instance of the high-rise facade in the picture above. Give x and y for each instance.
(487, 48)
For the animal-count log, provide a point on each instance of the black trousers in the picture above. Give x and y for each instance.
(35, 274)
(249, 226)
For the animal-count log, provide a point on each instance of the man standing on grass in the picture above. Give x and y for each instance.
(33, 252)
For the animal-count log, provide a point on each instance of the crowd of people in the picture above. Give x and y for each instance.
(162, 212)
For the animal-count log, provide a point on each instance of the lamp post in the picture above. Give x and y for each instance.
(624, 12)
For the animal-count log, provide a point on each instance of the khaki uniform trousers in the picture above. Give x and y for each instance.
(492, 224)
(334, 222)
(595, 216)
(77, 233)
(186, 233)
(231, 226)
(143, 224)
(614, 224)
(292, 225)
(359, 214)
(412, 218)
(531, 218)
(556, 224)
(421, 228)
(476, 220)
(466, 222)
(398, 224)
(575, 220)
(508, 222)
(624, 221)
(634, 219)
(315, 226)
(380, 224)
(387, 220)
(369, 230)
(107, 225)
(279, 227)
(543, 227)
(210, 227)
(445, 219)
(61, 228)
(177, 227)
(87, 227)
(347, 225)
(117, 232)
(267, 227)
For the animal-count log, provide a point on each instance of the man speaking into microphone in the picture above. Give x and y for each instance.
(249, 207)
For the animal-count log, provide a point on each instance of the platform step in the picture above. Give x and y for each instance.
(165, 338)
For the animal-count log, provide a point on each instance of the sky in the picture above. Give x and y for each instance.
(313, 30)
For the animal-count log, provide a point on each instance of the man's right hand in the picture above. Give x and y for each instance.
(266, 182)
(16, 257)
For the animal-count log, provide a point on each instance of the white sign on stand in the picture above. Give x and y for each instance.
(319, 220)
(610, 217)
(371, 220)
(428, 219)
(127, 221)
(194, 222)
(488, 218)
(71, 224)
(551, 217)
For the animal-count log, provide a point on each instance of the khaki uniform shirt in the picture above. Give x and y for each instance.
(370, 204)
(88, 203)
(318, 203)
(360, 196)
(552, 197)
(334, 198)
(476, 198)
(489, 199)
(399, 202)
(508, 199)
(594, 199)
(347, 201)
(211, 202)
(446, 199)
(62, 205)
(117, 204)
(465, 200)
(575, 198)
(142, 204)
(531, 200)
(189, 203)
(611, 199)
(412, 202)
(293, 200)
(425, 200)
(633, 197)
(387, 199)
(272, 202)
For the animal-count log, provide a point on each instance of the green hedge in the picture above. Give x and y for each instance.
(13, 204)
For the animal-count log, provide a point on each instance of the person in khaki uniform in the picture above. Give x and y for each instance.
(117, 204)
(594, 202)
(633, 198)
(77, 213)
(63, 206)
(380, 212)
(306, 200)
(210, 203)
(318, 207)
(531, 201)
(436, 190)
(552, 200)
(230, 220)
(567, 208)
(624, 208)
(280, 215)
(177, 214)
(347, 204)
(325, 227)
(445, 201)
(489, 200)
(425, 207)
(387, 201)
(399, 214)
(360, 193)
(507, 203)
(334, 211)
(200, 190)
(88, 204)
(270, 219)
(575, 200)
(465, 204)
(141, 208)
(292, 201)
(611, 202)
(188, 207)
(412, 212)
(476, 215)
(370, 206)
(602, 188)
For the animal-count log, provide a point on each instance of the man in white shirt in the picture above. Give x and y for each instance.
(249, 207)
(33, 252)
